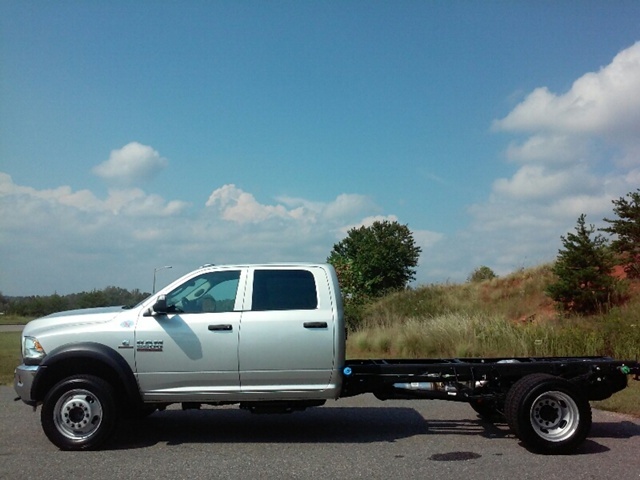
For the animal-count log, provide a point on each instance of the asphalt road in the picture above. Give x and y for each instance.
(359, 437)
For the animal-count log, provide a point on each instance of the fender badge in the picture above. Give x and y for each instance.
(149, 346)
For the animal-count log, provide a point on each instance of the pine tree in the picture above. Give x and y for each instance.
(583, 269)
(627, 231)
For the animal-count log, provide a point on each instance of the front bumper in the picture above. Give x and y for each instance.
(23, 381)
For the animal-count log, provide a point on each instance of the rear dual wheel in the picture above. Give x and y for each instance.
(548, 414)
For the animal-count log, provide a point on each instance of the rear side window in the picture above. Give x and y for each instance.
(284, 290)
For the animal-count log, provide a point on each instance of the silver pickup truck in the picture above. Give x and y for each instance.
(271, 338)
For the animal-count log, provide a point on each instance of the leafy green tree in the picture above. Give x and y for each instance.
(480, 274)
(626, 228)
(583, 269)
(372, 261)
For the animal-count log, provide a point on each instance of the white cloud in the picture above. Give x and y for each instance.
(131, 164)
(598, 206)
(537, 182)
(346, 206)
(549, 148)
(238, 206)
(83, 200)
(80, 238)
(603, 102)
(135, 202)
(129, 202)
(579, 151)
(427, 239)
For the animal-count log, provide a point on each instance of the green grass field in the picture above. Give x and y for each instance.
(14, 320)
(9, 355)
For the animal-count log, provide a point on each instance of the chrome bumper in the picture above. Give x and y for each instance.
(23, 380)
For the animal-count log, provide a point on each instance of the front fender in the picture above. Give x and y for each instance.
(88, 358)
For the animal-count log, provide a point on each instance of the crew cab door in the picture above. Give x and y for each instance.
(193, 345)
(287, 332)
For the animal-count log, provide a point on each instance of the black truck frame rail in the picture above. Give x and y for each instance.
(483, 380)
(544, 400)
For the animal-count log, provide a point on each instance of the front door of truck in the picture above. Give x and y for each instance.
(194, 346)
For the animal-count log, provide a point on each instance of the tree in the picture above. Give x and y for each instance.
(480, 274)
(627, 231)
(583, 269)
(375, 260)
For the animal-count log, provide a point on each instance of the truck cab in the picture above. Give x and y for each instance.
(252, 333)
(259, 335)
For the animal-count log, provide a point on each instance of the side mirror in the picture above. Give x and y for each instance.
(161, 305)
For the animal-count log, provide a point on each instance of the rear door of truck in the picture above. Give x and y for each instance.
(287, 330)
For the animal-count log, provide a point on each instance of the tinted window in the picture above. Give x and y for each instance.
(207, 293)
(284, 290)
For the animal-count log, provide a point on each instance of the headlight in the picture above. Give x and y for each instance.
(31, 349)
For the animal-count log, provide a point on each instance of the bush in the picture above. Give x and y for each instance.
(481, 274)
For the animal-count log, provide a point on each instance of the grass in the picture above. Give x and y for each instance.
(519, 296)
(14, 320)
(508, 316)
(625, 401)
(464, 335)
(9, 355)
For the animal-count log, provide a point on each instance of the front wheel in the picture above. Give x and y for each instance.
(79, 413)
(548, 414)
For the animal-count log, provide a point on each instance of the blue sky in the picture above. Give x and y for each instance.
(138, 135)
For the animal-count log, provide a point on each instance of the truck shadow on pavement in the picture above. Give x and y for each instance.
(319, 425)
(324, 425)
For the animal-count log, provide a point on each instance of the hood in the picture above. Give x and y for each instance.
(71, 317)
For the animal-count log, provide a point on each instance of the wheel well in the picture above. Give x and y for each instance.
(68, 367)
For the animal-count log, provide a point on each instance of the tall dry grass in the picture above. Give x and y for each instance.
(503, 317)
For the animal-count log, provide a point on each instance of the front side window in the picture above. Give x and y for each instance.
(206, 293)
(284, 290)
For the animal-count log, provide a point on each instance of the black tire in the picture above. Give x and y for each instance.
(79, 413)
(548, 414)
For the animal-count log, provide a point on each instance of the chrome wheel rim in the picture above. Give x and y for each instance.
(78, 414)
(555, 416)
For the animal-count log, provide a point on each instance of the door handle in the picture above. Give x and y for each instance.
(223, 328)
(315, 324)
